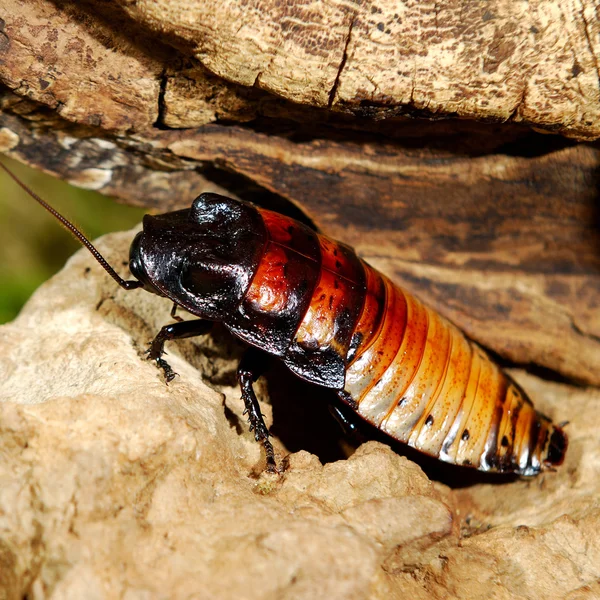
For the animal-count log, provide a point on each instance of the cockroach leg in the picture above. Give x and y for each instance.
(174, 315)
(249, 370)
(175, 331)
(346, 419)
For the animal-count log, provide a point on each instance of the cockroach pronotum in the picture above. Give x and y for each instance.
(336, 322)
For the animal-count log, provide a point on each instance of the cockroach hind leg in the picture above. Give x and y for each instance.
(557, 448)
(348, 422)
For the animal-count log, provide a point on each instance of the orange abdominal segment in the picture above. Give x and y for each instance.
(415, 376)
(372, 361)
(335, 302)
(371, 317)
(321, 327)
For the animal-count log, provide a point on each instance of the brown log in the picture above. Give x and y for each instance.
(114, 64)
(536, 63)
(494, 225)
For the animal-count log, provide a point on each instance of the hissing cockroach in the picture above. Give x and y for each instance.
(337, 322)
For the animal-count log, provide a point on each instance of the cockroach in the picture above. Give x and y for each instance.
(337, 322)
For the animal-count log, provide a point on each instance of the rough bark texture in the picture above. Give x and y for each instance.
(505, 246)
(112, 482)
(503, 61)
(115, 485)
(535, 62)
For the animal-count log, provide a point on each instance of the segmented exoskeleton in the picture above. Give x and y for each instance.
(337, 322)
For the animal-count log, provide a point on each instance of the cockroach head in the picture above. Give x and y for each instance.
(199, 257)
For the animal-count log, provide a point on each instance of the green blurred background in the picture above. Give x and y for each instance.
(34, 245)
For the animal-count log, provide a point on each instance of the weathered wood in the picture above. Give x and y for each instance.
(535, 62)
(494, 225)
(114, 64)
(88, 70)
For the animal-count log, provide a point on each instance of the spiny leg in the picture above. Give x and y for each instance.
(249, 370)
(175, 331)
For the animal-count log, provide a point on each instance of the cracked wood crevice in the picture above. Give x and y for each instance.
(162, 108)
(519, 104)
(577, 329)
(336, 83)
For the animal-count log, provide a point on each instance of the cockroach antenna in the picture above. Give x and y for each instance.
(127, 285)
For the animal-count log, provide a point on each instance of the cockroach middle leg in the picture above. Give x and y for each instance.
(175, 331)
(249, 370)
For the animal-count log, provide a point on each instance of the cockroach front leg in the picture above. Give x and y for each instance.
(174, 331)
(249, 370)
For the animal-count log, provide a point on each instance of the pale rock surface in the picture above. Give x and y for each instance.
(114, 485)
